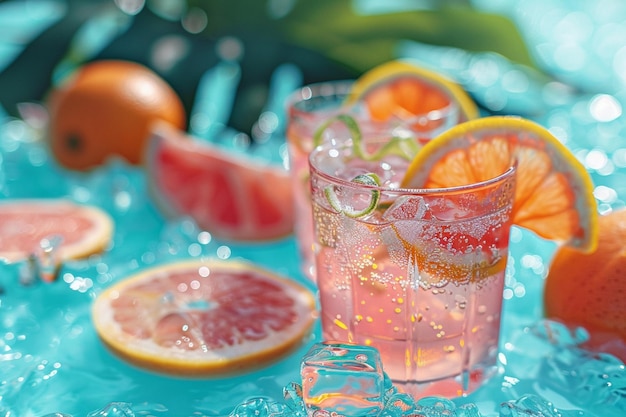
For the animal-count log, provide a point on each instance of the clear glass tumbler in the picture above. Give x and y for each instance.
(416, 273)
(310, 109)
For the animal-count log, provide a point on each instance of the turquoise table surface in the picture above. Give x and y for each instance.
(51, 360)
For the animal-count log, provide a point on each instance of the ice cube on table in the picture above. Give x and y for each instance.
(344, 379)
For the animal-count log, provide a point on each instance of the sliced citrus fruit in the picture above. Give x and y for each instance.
(80, 230)
(588, 289)
(403, 90)
(455, 234)
(554, 193)
(371, 198)
(439, 266)
(203, 317)
(233, 197)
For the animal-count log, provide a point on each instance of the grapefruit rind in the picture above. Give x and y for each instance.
(587, 289)
(105, 108)
(92, 241)
(232, 196)
(385, 73)
(536, 151)
(228, 360)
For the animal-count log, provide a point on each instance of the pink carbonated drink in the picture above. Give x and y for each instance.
(313, 111)
(417, 274)
(308, 109)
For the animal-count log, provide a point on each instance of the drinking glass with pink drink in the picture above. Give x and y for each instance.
(416, 273)
(312, 112)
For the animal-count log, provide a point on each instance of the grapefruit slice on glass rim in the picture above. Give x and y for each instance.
(404, 90)
(234, 197)
(552, 197)
(553, 194)
(25, 224)
(204, 317)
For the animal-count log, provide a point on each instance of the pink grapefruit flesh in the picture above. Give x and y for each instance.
(82, 230)
(233, 197)
(204, 318)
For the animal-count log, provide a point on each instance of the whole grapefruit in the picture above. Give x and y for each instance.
(589, 290)
(106, 108)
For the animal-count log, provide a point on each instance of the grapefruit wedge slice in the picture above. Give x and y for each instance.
(81, 230)
(233, 197)
(204, 318)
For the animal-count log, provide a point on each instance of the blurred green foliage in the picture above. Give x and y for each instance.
(326, 39)
(334, 28)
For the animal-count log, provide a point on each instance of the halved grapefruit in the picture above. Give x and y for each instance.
(231, 196)
(204, 317)
(587, 289)
(82, 230)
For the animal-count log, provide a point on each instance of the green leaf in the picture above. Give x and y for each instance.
(363, 42)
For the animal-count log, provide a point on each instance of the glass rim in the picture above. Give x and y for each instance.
(343, 87)
(339, 87)
(459, 189)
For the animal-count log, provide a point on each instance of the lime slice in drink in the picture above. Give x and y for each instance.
(348, 203)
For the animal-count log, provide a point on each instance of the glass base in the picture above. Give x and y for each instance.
(449, 387)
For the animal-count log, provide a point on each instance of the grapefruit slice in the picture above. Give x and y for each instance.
(403, 90)
(553, 194)
(82, 230)
(233, 197)
(203, 318)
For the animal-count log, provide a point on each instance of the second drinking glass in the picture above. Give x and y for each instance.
(311, 110)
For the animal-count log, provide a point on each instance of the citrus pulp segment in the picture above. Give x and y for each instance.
(203, 317)
(82, 230)
(403, 90)
(554, 192)
(231, 196)
(459, 265)
(105, 108)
